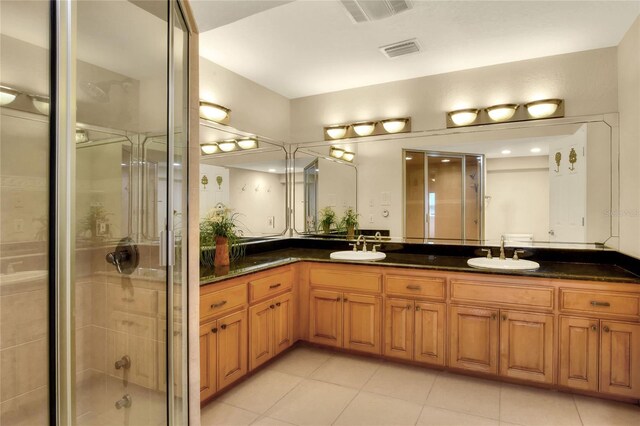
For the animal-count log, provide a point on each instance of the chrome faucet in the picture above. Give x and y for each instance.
(378, 236)
(364, 242)
(502, 256)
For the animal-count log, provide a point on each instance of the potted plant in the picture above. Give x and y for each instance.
(96, 222)
(219, 228)
(327, 218)
(350, 222)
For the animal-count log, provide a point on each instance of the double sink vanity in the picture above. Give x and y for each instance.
(566, 325)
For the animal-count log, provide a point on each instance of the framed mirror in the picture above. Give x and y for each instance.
(246, 173)
(323, 184)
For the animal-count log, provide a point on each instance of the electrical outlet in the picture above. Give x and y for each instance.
(18, 225)
(370, 218)
(271, 222)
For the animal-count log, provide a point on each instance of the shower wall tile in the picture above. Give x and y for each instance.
(23, 315)
(23, 368)
(28, 409)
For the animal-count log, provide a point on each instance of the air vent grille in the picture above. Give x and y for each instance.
(373, 10)
(401, 48)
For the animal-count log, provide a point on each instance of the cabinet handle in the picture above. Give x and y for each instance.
(413, 287)
(277, 303)
(594, 327)
(272, 306)
(345, 300)
(605, 329)
(275, 285)
(214, 330)
(417, 308)
(504, 318)
(338, 299)
(493, 316)
(408, 306)
(217, 305)
(223, 326)
(597, 303)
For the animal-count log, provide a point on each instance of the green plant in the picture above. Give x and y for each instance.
(96, 215)
(220, 222)
(327, 218)
(350, 219)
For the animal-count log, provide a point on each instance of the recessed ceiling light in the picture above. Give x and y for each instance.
(408, 158)
(506, 151)
(272, 170)
(446, 160)
(535, 150)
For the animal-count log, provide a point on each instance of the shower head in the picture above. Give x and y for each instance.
(100, 91)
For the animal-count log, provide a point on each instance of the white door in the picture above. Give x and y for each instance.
(568, 188)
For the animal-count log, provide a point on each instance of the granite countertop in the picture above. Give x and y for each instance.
(548, 269)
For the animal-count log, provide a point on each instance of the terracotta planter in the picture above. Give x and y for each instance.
(351, 232)
(326, 228)
(222, 252)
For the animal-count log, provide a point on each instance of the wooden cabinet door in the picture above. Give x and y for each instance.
(620, 358)
(325, 317)
(208, 353)
(578, 352)
(398, 336)
(473, 339)
(429, 333)
(261, 333)
(362, 323)
(526, 346)
(283, 323)
(232, 348)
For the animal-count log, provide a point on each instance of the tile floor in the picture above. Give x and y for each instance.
(309, 386)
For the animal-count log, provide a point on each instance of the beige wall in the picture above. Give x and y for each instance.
(254, 108)
(629, 108)
(586, 80)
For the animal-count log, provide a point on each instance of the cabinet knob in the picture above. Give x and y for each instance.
(408, 306)
(214, 330)
(345, 300)
(223, 326)
(417, 308)
(277, 303)
(594, 327)
(605, 329)
(338, 299)
(504, 318)
(493, 316)
(272, 306)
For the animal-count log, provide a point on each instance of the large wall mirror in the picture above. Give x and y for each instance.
(540, 184)
(247, 174)
(321, 183)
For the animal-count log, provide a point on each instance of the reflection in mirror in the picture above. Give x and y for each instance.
(540, 186)
(323, 184)
(247, 174)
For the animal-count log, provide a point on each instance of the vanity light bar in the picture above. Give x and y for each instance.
(214, 112)
(23, 101)
(342, 154)
(367, 128)
(506, 113)
(229, 145)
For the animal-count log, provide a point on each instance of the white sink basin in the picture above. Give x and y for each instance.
(357, 255)
(504, 264)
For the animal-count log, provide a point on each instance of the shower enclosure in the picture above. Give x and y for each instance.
(444, 195)
(93, 229)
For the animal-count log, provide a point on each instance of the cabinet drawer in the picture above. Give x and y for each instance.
(600, 302)
(415, 286)
(529, 296)
(271, 284)
(140, 300)
(337, 278)
(222, 301)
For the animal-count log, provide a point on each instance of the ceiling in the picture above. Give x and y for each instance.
(304, 48)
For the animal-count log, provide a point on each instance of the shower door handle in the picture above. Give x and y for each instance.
(167, 248)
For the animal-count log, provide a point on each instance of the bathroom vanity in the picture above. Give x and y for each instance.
(569, 326)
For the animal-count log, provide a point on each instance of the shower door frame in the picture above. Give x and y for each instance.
(62, 190)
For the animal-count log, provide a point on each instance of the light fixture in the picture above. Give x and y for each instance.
(228, 145)
(7, 95)
(248, 143)
(210, 148)
(408, 158)
(446, 160)
(41, 103)
(506, 151)
(81, 136)
(214, 112)
(348, 156)
(272, 170)
(336, 152)
(364, 128)
(502, 112)
(543, 108)
(463, 117)
(535, 150)
(394, 125)
(336, 132)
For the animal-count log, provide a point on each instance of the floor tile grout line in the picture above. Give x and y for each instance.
(345, 407)
(575, 404)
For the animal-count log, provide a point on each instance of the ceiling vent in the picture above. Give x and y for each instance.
(373, 10)
(401, 48)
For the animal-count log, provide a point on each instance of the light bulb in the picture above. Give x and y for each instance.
(364, 129)
(81, 136)
(209, 148)
(348, 156)
(543, 108)
(502, 112)
(463, 117)
(41, 103)
(248, 143)
(227, 146)
(214, 112)
(337, 152)
(336, 132)
(394, 125)
(7, 95)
